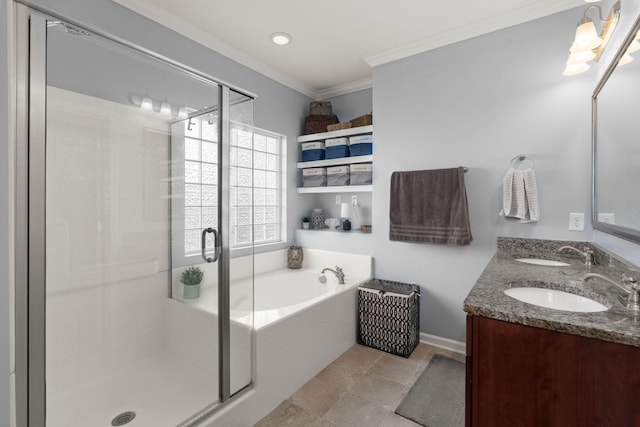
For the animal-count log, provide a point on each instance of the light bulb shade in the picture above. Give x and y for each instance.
(586, 37)
(573, 69)
(626, 58)
(633, 47)
(165, 109)
(146, 104)
(580, 57)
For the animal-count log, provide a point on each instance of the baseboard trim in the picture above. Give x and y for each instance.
(444, 343)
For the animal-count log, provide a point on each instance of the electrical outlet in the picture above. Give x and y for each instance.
(354, 200)
(338, 199)
(607, 218)
(576, 221)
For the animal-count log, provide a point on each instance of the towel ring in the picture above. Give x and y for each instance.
(521, 158)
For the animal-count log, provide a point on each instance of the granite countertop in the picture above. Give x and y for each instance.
(487, 299)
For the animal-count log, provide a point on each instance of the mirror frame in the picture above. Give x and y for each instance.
(623, 232)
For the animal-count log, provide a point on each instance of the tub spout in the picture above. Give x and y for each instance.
(338, 272)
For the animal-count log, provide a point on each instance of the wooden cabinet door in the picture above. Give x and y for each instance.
(521, 376)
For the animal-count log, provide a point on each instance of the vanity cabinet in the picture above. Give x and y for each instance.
(523, 376)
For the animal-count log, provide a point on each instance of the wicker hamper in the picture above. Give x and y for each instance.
(339, 126)
(318, 123)
(389, 316)
(365, 120)
(318, 108)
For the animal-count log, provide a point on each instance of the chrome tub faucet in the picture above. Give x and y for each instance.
(338, 272)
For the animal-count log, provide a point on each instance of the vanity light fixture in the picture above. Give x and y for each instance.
(281, 39)
(163, 107)
(588, 45)
(633, 47)
(146, 104)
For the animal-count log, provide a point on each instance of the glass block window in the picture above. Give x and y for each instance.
(256, 168)
(255, 196)
(200, 181)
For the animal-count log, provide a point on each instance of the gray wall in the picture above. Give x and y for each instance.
(478, 104)
(352, 105)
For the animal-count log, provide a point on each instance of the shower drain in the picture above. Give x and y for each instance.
(123, 418)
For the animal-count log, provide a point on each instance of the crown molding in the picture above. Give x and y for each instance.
(485, 26)
(344, 89)
(207, 40)
(504, 20)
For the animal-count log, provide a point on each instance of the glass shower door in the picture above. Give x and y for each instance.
(137, 175)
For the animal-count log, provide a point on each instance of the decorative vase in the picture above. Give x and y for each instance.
(191, 291)
(317, 219)
(295, 255)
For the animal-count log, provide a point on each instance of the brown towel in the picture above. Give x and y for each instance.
(430, 207)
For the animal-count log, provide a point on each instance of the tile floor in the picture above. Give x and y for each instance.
(360, 388)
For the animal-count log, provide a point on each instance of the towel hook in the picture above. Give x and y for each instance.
(521, 158)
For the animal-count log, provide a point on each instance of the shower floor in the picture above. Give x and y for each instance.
(162, 392)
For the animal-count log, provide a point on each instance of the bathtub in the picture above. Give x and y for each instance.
(300, 324)
(276, 294)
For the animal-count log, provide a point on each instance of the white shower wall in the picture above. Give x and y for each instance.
(107, 238)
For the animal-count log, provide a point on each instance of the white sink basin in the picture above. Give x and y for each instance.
(547, 262)
(557, 300)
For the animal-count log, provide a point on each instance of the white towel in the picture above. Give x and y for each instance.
(520, 195)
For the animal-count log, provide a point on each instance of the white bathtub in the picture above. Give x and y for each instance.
(280, 293)
(300, 327)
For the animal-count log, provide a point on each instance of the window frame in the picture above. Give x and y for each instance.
(236, 250)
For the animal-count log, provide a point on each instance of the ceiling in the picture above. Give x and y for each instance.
(335, 42)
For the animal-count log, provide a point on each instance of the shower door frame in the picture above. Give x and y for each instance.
(30, 216)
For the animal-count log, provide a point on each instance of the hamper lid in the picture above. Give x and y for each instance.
(390, 286)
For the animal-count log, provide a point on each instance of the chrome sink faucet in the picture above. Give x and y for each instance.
(633, 302)
(338, 272)
(587, 254)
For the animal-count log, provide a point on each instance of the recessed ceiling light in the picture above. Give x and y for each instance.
(281, 39)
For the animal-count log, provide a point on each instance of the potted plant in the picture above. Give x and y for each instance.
(305, 223)
(191, 278)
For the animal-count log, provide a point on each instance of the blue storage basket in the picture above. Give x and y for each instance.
(361, 149)
(312, 151)
(336, 148)
(361, 145)
(336, 152)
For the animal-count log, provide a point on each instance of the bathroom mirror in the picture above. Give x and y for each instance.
(616, 144)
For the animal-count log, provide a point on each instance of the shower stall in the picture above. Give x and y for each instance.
(127, 176)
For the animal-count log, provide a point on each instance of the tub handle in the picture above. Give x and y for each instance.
(214, 258)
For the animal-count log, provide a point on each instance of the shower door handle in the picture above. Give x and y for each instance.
(204, 244)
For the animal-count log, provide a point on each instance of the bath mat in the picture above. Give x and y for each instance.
(437, 397)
